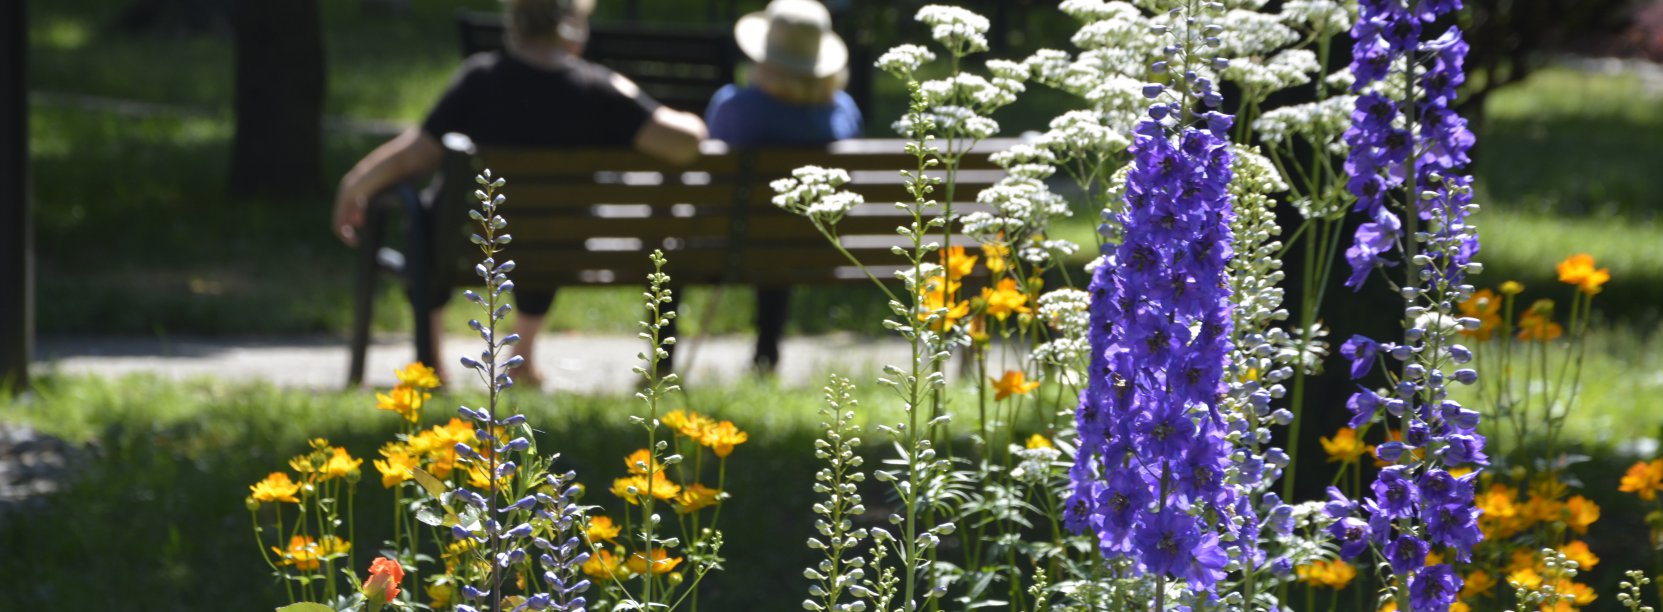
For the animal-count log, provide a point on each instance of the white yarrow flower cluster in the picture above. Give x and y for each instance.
(815, 192)
(1322, 124)
(1320, 16)
(1259, 79)
(954, 122)
(959, 30)
(903, 60)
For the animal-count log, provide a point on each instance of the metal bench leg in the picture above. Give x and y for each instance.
(371, 237)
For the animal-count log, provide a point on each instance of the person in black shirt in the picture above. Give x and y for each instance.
(539, 92)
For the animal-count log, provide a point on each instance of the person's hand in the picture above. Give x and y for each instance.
(349, 215)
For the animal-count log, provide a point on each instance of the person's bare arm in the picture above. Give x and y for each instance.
(410, 154)
(671, 135)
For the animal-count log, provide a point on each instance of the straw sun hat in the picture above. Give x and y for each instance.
(794, 35)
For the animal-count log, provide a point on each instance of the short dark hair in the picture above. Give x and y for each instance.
(538, 20)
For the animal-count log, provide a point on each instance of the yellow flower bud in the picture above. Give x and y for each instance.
(1512, 288)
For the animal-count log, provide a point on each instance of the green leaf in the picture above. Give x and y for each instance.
(428, 516)
(306, 606)
(433, 485)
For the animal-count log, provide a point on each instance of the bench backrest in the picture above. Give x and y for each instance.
(591, 216)
(681, 67)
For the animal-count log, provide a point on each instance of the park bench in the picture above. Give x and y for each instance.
(586, 217)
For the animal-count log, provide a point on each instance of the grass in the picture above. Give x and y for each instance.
(157, 509)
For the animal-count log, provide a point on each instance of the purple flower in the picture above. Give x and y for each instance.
(1407, 553)
(1434, 588)
(1363, 405)
(1352, 534)
(1360, 350)
(1395, 494)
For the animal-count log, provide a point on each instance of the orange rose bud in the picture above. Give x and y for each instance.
(385, 576)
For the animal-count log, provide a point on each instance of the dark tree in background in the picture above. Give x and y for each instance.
(278, 146)
(1511, 38)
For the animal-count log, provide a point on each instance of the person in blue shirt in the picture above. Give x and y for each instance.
(795, 98)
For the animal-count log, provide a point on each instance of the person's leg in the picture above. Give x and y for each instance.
(532, 312)
(772, 303)
(436, 321)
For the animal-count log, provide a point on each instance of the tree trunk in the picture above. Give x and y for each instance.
(278, 145)
(17, 296)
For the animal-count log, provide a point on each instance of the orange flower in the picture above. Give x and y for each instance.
(1533, 326)
(304, 553)
(1485, 306)
(642, 462)
(661, 563)
(994, 256)
(1012, 383)
(418, 375)
(1580, 512)
(956, 263)
(1578, 551)
(601, 529)
(406, 401)
(275, 488)
(605, 566)
(659, 487)
(1344, 446)
(1477, 584)
(1579, 270)
(695, 497)
(938, 295)
(1006, 300)
(1643, 479)
(385, 576)
(723, 437)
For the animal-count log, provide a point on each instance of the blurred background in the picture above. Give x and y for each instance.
(166, 207)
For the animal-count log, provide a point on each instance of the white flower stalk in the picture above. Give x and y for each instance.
(961, 31)
(837, 578)
(903, 60)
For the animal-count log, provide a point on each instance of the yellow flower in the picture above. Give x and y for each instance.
(938, 295)
(1580, 512)
(304, 554)
(1498, 517)
(994, 257)
(956, 263)
(601, 529)
(1335, 574)
(275, 488)
(1485, 306)
(1579, 270)
(1578, 551)
(340, 464)
(406, 401)
(690, 424)
(479, 477)
(1459, 606)
(675, 420)
(418, 375)
(642, 462)
(695, 497)
(723, 437)
(661, 563)
(1006, 300)
(1038, 441)
(1344, 446)
(660, 487)
(1477, 584)
(1538, 327)
(441, 594)
(1644, 479)
(1512, 288)
(1527, 578)
(1434, 558)
(1522, 559)
(1014, 382)
(1580, 593)
(397, 468)
(1540, 509)
(603, 565)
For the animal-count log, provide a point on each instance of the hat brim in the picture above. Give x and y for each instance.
(751, 32)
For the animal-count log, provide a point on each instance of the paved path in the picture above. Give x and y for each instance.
(570, 362)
